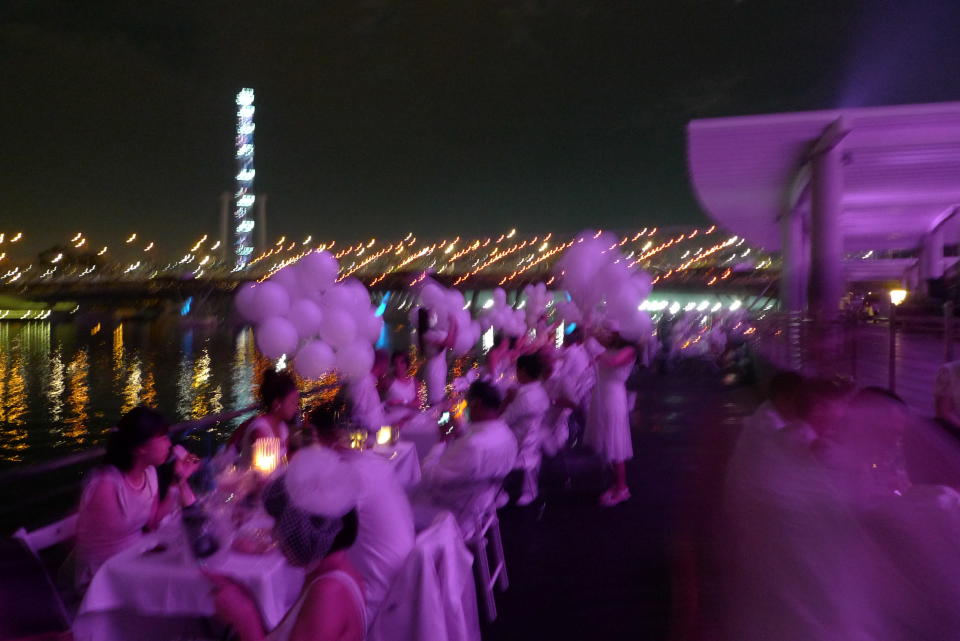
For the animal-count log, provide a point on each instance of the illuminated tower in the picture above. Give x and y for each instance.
(244, 198)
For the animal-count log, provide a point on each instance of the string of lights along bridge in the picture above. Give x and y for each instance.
(695, 255)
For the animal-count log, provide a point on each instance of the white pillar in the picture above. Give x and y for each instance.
(794, 261)
(826, 241)
(931, 254)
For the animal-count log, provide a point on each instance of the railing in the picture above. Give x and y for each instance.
(33, 494)
(900, 352)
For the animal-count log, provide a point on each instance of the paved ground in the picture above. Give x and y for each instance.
(579, 571)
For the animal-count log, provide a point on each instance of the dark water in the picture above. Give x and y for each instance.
(63, 386)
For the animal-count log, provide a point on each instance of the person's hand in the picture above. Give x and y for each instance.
(232, 602)
(186, 467)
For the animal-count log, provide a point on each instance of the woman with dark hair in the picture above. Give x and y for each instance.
(121, 498)
(280, 402)
(608, 420)
(315, 522)
(434, 345)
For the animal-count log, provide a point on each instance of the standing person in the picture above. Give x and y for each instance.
(608, 421)
(569, 388)
(400, 400)
(280, 402)
(501, 359)
(434, 345)
(121, 498)
(365, 397)
(524, 411)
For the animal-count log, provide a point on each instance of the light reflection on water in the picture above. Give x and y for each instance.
(62, 387)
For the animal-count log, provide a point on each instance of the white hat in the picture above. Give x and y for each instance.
(319, 482)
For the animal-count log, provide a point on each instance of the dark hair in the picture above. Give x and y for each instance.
(485, 394)
(531, 365)
(423, 325)
(274, 387)
(347, 535)
(329, 416)
(134, 429)
(817, 391)
(397, 355)
(785, 383)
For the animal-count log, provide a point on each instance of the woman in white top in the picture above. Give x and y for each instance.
(400, 399)
(121, 500)
(315, 522)
(280, 399)
(434, 345)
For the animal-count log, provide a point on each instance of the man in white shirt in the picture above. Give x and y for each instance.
(463, 476)
(526, 407)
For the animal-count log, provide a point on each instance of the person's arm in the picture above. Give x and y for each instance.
(456, 464)
(236, 607)
(324, 615)
(618, 358)
(183, 469)
(103, 509)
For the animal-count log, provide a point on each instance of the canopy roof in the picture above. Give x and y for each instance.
(901, 170)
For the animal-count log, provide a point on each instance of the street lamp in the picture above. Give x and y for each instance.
(897, 296)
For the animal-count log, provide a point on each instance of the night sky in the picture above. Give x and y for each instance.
(377, 117)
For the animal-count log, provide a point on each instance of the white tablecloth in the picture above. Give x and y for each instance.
(169, 585)
(403, 459)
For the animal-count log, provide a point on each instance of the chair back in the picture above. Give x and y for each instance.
(49, 535)
(433, 597)
(30, 607)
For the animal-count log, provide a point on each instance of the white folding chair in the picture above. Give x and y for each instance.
(48, 535)
(487, 549)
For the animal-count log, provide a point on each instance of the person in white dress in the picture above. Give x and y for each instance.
(608, 420)
(280, 400)
(525, 409)
(500, 367)
(434, 345)
(461, 475)
(400, 399)
(386, 534)
(121, 498)
(314, 506)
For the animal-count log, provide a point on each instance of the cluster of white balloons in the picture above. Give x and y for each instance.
(446, 306)
(301, 310)
(603, 289)
(502, 317)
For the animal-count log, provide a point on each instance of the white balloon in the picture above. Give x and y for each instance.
(306, 317)
(314, 360)
(317, 271)
(336, 298)
(433, 297)
(371, 327)
(287, 278)
(276, 336)
(245, 302)
(357, 296)
(355, 360)
(273, 299)
(337, 327)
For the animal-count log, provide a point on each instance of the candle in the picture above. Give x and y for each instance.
(385, 435)
(266, 455)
